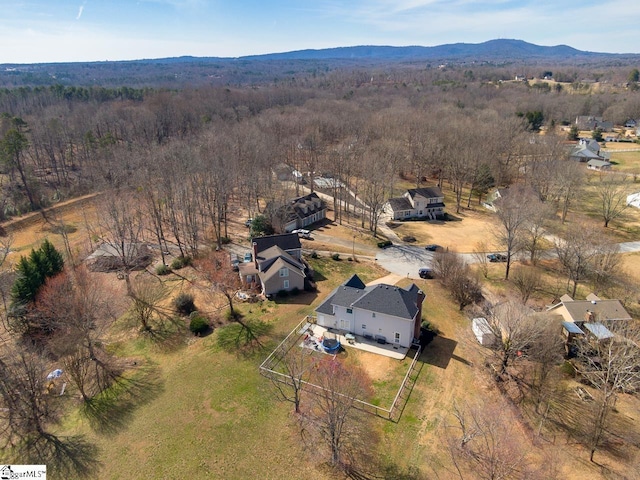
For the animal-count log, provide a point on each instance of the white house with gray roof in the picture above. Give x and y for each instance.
(385, 313)
(425, 203)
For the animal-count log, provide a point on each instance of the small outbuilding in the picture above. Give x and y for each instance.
(633, 200)
(483, 332)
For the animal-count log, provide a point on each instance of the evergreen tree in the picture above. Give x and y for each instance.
(33, 271)
(53, 260)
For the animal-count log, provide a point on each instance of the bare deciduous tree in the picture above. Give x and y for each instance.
(611, 366)
(516, 328)
(295, 365)
(611, 193)
(332, 421)
(452, 271)
(514, 211)
(81, 309)
(146, 293)
(578, 250)
(486, 445)
(527, 280)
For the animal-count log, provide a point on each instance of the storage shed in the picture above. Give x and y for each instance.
(482, 331)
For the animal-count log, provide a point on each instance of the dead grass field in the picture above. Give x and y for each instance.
(462, 235)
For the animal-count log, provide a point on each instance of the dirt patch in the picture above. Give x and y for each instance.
(462, 234)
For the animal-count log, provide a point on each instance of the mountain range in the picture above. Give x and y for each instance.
(490, 50)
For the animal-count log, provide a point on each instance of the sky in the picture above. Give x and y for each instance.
(39, 31)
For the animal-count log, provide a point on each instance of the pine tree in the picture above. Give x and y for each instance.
(54, 262)
(33, 271)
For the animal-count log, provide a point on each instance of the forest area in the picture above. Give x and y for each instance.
(178, 168)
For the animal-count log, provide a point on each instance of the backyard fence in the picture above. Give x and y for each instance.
(269, 365)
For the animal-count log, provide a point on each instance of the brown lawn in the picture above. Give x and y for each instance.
(216, 418)
(462, 235)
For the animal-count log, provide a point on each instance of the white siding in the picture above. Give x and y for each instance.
(379, 325)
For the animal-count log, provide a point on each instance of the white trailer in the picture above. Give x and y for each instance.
(482, 331)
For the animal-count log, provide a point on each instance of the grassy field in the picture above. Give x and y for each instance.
(200, 411)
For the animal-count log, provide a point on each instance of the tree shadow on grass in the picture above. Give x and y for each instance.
(65, 457)
(112, 410)
(245, 337)
(568, 414)
(168, 335)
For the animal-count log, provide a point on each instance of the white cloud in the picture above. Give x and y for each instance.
(80, 10)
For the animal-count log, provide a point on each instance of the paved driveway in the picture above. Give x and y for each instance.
(404, 260)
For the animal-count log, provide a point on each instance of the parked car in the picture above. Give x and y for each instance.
(433, 247)
(235, 262)
(302, 233)
(248, 257)
(425, 273)
(497, 257)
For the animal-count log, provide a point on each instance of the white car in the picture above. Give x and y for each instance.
(302, 232)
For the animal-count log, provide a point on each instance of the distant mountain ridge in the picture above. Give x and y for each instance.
(492, 49)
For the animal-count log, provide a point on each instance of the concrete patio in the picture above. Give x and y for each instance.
(358, 342)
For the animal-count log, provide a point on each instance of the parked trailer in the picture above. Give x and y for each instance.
(482, 331)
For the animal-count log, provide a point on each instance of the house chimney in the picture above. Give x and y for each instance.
(418, 323)
(255, 254)
(589, 316)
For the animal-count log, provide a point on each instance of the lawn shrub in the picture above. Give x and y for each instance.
(180, 262)
(163, 270)
(314, 254)
(336, 256)
(385, 244)
(184, 304)
(198, 324)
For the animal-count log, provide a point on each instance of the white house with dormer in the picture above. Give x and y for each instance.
(427, 203)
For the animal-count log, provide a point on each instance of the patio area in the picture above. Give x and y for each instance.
(317, 333)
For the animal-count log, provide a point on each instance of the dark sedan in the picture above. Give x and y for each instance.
(497, 257)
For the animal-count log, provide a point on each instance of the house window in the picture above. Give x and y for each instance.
(285, 284)
(349, 310)
(373, 314)
(396, 337)
(284, 272)
(364, 327)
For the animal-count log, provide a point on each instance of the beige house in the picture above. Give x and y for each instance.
(592, 309)
(276, 265)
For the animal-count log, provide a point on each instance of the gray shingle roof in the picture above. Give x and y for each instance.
(271, 254)
(426, 192)
(343, 296)
(400, 203)
(382, 298)
(389, 299)
(286, 241)
(602, 309)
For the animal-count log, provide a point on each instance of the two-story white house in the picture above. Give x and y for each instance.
(425, 202)
(386, 313)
